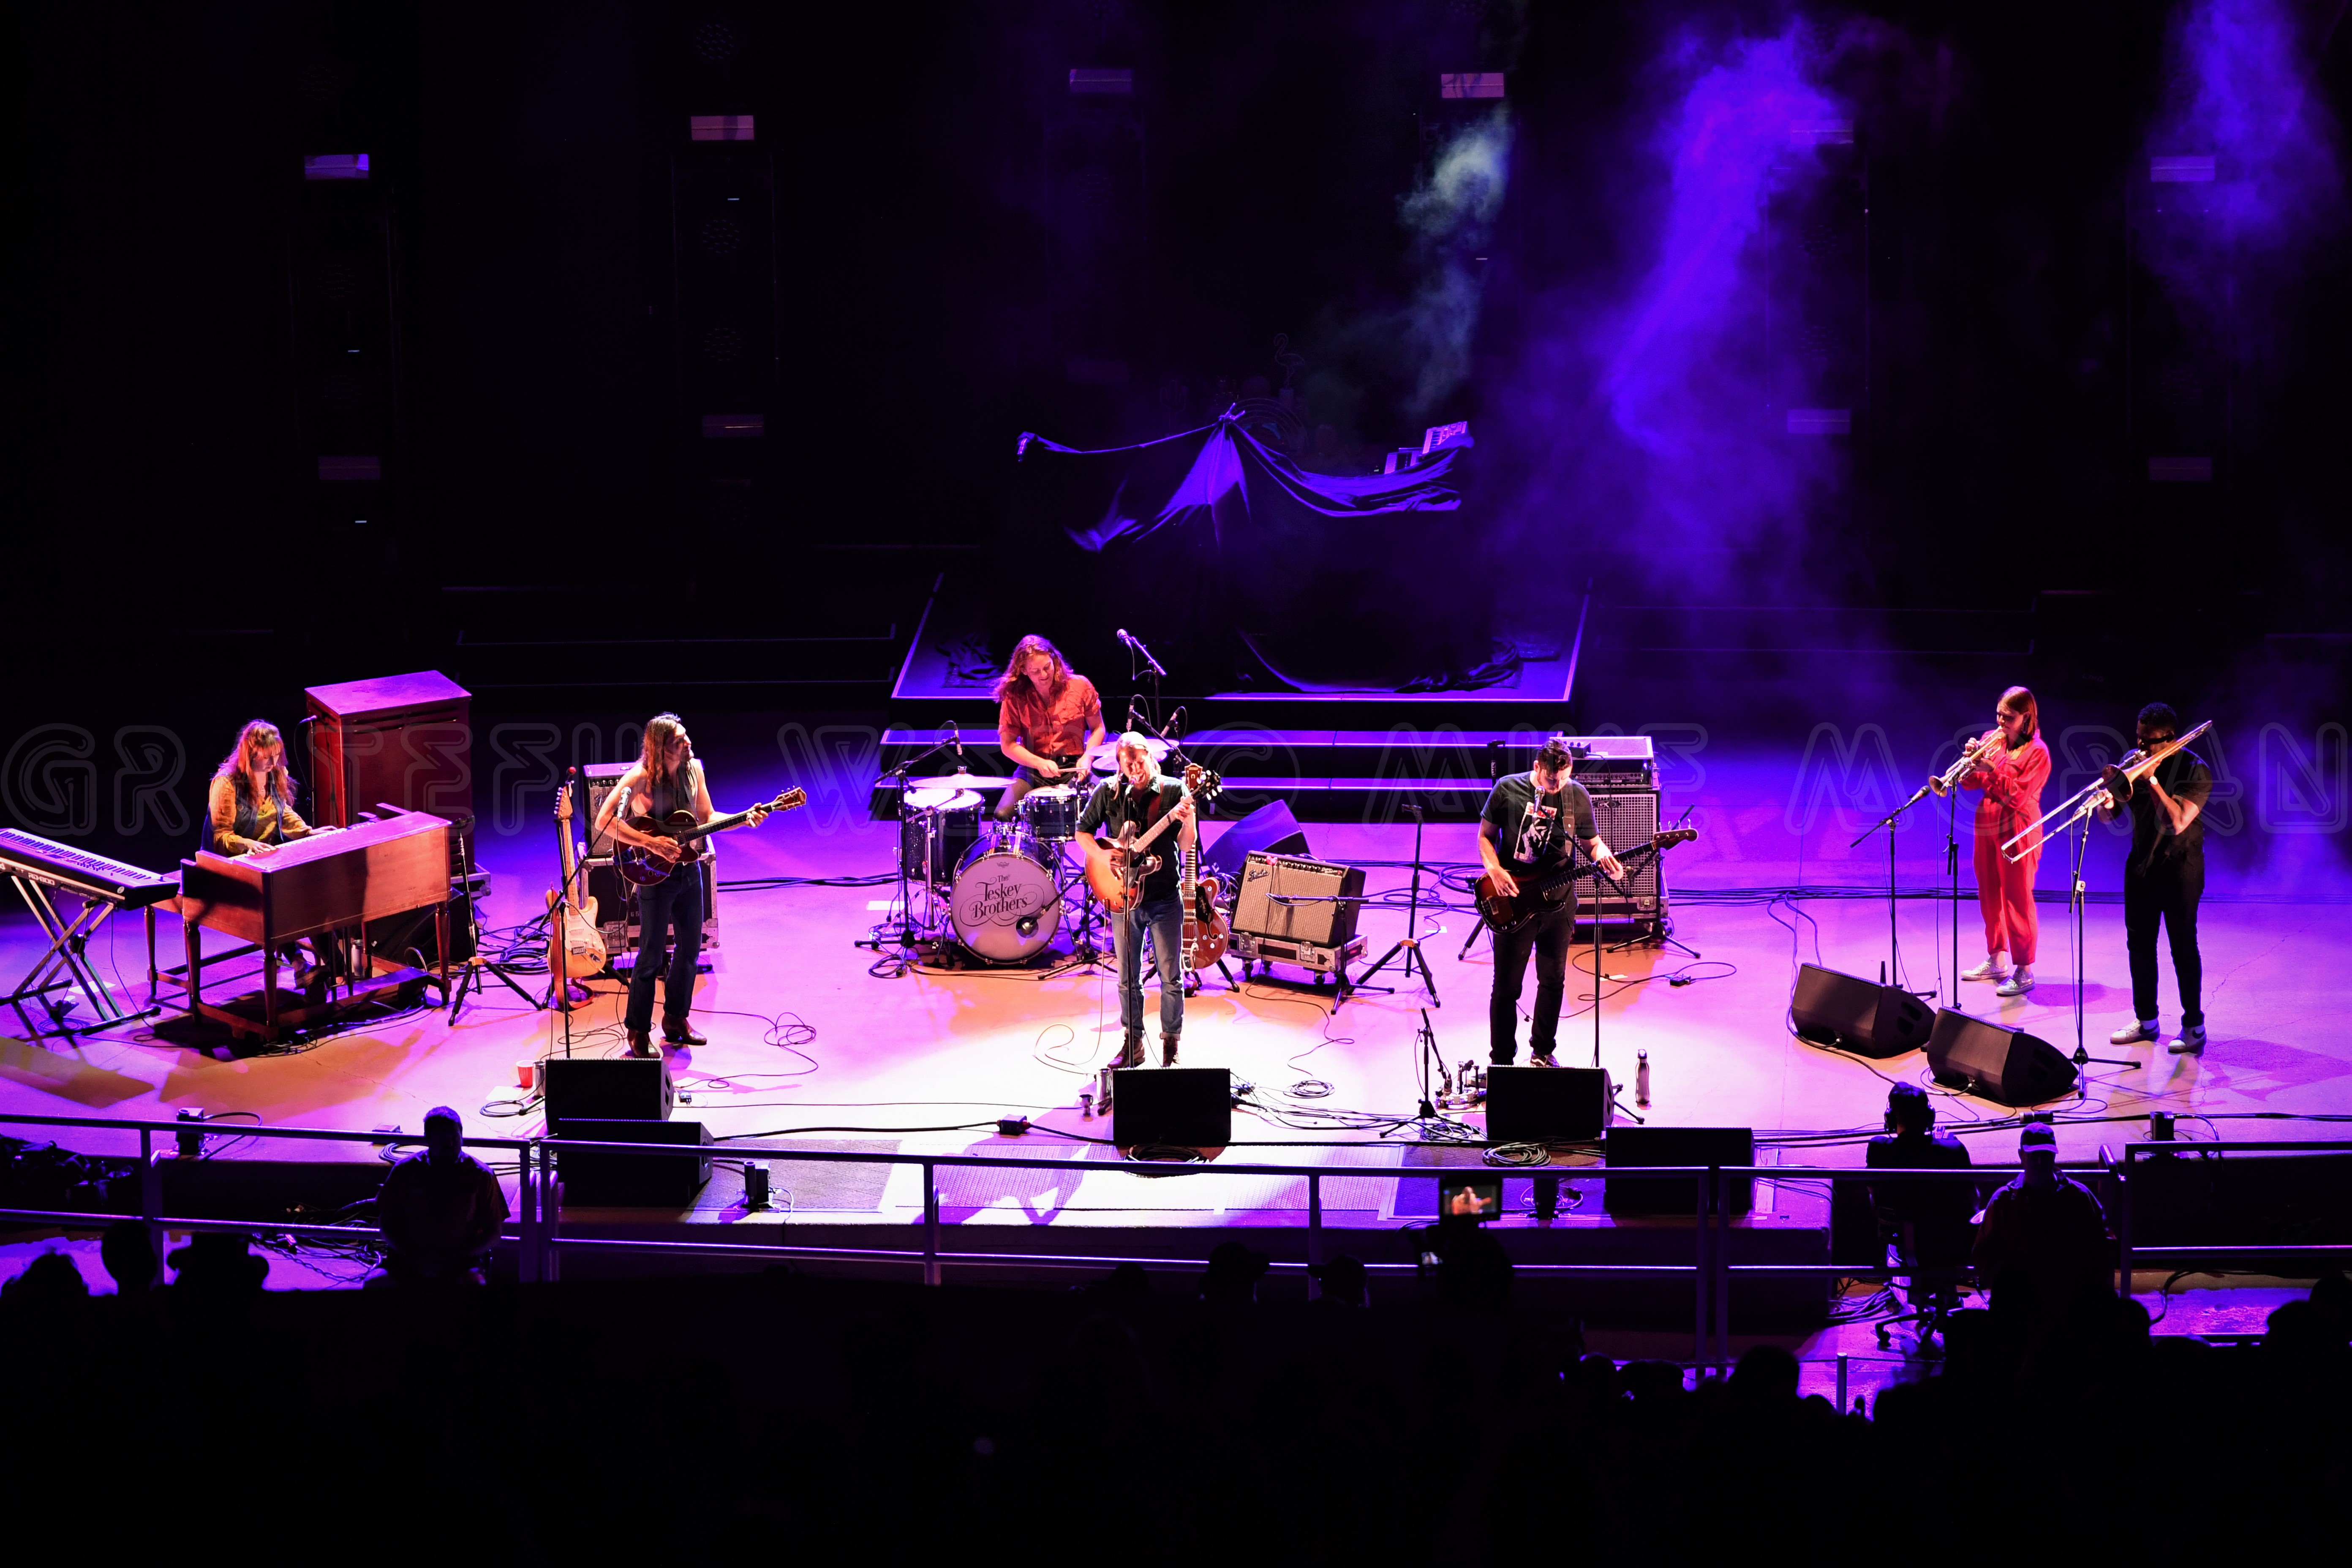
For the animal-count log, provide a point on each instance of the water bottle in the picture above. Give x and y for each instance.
(1642, 1078)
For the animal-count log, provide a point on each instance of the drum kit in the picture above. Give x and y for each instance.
(1004, 883)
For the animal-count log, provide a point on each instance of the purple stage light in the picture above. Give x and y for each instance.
(336, 166)
(1101, 80)
(720, 127)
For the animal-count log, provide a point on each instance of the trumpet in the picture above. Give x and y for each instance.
(2134, 766)
(1973, 753)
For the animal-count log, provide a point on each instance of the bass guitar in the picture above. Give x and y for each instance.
(1116, 872)
(1506, 913)
(645, 868)
(580, 953)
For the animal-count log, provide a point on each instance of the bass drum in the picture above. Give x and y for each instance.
(1004, 905)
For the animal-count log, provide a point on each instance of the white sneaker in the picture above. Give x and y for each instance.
(2191, 1042)
(2138, 1034)
(1990, 969)
(2019, 983)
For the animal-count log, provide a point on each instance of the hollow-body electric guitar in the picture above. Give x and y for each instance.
(1116, 872)
(1506, 913)
(645, 868)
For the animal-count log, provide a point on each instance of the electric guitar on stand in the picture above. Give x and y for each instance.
(575, 942)
(1506, 913)
(1206, 936)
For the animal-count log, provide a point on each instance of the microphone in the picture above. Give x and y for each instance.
(1135, 645)
(955, 739)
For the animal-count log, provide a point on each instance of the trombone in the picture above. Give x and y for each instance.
(2101, 794)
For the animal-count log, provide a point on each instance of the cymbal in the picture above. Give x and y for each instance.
(960, 781)
(940, 799)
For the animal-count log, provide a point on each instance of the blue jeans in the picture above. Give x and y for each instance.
(673, 903)
(1164, 918)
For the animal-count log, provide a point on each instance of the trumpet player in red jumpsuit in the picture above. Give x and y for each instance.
(2010, 764)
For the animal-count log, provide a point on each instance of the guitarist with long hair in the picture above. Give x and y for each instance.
(1130, 805)
(667, 777)
(1523, 833)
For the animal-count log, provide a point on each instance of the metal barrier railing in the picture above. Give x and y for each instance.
(539, 1245)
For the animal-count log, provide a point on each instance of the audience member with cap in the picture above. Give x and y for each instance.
(440, 1210)
(2046, 1228)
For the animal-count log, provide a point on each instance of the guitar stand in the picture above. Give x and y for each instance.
(471, 970)
(1409, 943)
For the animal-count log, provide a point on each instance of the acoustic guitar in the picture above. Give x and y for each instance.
(1506, 913)
(1116, 872)
(645, 868)
(581, 952)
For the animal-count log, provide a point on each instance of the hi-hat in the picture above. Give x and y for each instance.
(960, 781)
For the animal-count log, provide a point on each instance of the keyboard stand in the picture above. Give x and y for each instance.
(67, 964)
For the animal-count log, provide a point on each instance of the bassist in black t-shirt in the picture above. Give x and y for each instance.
(1524, 833)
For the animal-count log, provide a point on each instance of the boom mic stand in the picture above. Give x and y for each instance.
(1894, 935)
(2077, 898)
(476, 965)
(1409, 944)
(904, 937)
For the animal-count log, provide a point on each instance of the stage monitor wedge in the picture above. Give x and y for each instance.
(1271, 829)
(634, 1181)
(1188, 1107)
(610, 1089)
(1857, 1015)
(1639, 1146)
(1547, 1105)
(1998, 1063)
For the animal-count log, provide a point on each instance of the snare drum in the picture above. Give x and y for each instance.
(1004, 905)
(1051, 812)
(940, 829)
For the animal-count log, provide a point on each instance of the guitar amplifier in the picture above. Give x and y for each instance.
(617, 903)
(1626, 819)
(617, 907)
(1268, 878)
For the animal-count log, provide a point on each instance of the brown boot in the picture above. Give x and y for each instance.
(1168, 1050)
(1131, 1054)
(641, 1043)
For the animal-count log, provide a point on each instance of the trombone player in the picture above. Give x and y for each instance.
(2165, 876)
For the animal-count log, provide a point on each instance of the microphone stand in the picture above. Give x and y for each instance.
(1409, 943)
(1952, 865)
(905, 935)
(2077, 898)
(1894, 935)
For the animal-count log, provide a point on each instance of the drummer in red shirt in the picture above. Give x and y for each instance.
(1049, 717)
(2010, 765)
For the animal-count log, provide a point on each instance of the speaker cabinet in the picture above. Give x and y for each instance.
(1326, 917)
(1547, 1105)
(1858, 1016)
(2005, 1064)
(1638, 1146)
(1191, 1108)
(605, 1089)
(1625, 819)
(649, 1181)
(1270, 827)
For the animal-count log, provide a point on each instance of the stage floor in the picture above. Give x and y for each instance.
(926, 1048)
